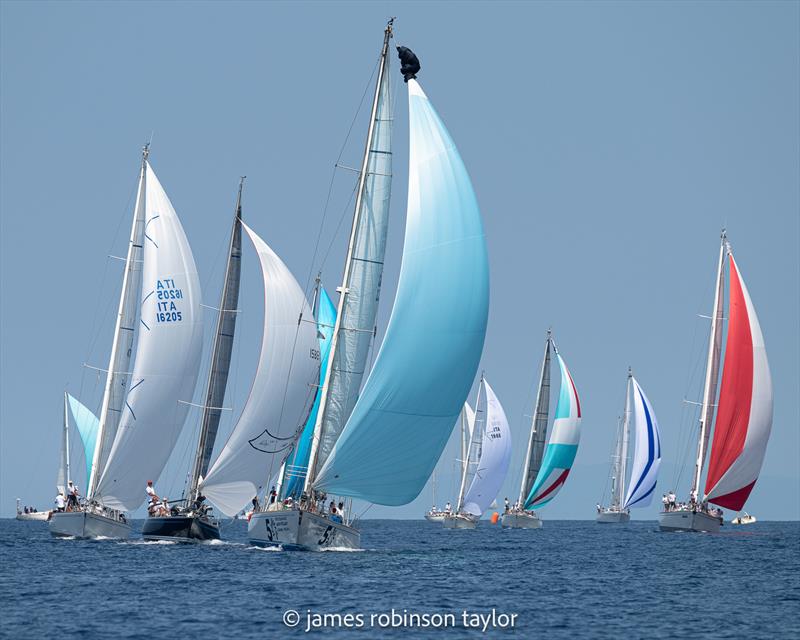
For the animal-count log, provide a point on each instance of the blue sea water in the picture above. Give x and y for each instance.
(571, 579)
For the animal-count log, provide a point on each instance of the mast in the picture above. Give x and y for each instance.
(526, 465)
(465, 468)
(222, 351)
(622, 460)
(121, 348)
(344, 288)
(712, 370)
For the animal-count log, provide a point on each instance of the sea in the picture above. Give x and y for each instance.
(570, 579)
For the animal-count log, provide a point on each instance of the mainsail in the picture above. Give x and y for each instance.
(647, 452)
(168, 350)
(282, 392)
(494, 457)
(296, 465)
(435, 336)
(744, 416)
(563, 444)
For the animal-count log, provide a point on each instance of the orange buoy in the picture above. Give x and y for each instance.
(495, 517)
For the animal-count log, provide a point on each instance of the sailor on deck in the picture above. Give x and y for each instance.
(150, 491)
(447, 508)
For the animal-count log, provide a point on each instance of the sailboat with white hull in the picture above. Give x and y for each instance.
(743, 407)
(546, 468)
(381, 442)
(190, 519)
(486, 462)
(646, 459)
(142, 412)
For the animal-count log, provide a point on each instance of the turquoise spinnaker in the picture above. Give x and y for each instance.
(434, 339)
(297, 462)
(87, 424)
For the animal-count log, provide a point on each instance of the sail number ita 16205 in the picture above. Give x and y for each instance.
(166, 307)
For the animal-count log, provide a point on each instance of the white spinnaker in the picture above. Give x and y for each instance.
(647, 454)
(167, 362)
(495, 457)
(282, 393)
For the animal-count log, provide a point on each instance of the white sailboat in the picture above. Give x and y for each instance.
(143, 411)
(743, 408)
(486, 462)
(545, 469)
(646, 461)
(25, 514)
(190, 519)
(380, 443)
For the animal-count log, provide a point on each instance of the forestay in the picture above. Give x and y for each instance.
(744, 416)
(647, 453)
(435, 335)
(563, 443)
(494, 458)
(168, 349)
(282, 392)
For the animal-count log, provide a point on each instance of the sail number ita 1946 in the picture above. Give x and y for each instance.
(166, 308)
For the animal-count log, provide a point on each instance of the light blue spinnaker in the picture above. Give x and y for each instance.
(297, 462)
(435, 336)
(87, 424)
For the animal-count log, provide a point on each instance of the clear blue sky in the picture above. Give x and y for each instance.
(608, 144)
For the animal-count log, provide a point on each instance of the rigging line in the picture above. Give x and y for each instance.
(335, 235)
(333, 174)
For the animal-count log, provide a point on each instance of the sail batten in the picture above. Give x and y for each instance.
(425, 367)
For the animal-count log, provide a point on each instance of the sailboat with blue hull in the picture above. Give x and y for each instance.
(381, 442)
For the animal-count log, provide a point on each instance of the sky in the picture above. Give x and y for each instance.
(608, 144)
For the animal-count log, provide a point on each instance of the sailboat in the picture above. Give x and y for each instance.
(486, 462)
(381, 442)
(744, 410)
(646, 459)
(143, 411)
(466, 422)
(545, 469)
(190, 518)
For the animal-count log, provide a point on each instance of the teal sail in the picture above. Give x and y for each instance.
(296, 465)
(433, 343)
(87, 424)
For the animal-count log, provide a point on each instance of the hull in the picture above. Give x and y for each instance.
(435, 517)
(688, 521)
(298, 529)
(459, 522)
(744, 520)
(39, 515)
(180, 529)
(527, 520)
(81, 524)
(613, 517)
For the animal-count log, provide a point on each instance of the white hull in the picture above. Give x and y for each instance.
(298, 529)
(613, 517)
(688, 521)
(527, 520)
(82, 524)
(39, 515)
(435, 517)
(459, 522)
(747, 519)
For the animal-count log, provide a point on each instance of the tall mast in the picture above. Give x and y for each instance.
(68, 473)
(344, 288)
(124, 329)
(622, 461)
(532, 437)
(465, 468)
(712, 370)
(222, 351)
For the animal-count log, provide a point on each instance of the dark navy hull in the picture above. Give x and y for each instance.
(180, 528)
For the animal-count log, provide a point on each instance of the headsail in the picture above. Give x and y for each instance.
(87, 425)
(647, 452)
(494, 459)
(744, 417)
(296, 465)
(282, 392)
(563, 444)
(434, 339)
(168, 349)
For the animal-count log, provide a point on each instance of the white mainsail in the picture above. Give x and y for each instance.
(283, 389)
(168, 350)
(495, 456)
